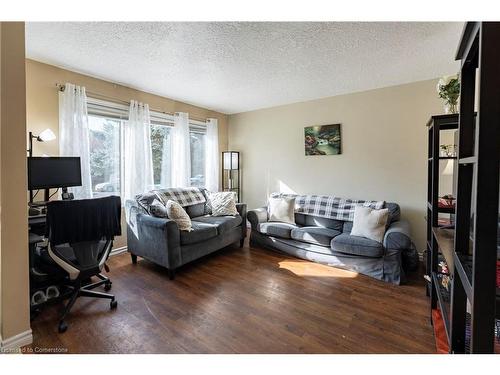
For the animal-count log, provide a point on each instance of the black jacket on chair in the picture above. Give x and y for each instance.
(83, 220)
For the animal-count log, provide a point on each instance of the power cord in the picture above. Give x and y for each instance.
(54, 193)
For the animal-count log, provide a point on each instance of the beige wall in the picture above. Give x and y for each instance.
(14, 284)
(43, 110)
(43, 105)
(446, 137)
(383, 148)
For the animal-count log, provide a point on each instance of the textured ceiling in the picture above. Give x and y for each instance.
(235, 67)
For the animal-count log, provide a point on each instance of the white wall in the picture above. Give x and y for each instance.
(384, 148)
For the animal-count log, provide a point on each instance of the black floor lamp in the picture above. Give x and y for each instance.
(45, 136)
(231, 177)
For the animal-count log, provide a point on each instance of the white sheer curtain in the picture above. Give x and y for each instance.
(138, 160)
(212, 155)
(166, 172)
(181, 154)
(74, 133)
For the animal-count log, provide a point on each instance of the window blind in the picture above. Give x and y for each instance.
(107, 109)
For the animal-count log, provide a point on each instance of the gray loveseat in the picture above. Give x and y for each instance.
(160, 240)
(329, 241)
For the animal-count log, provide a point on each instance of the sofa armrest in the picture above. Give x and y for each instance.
(157, 239)
(397, 236)
(257, 216)
(242, 210)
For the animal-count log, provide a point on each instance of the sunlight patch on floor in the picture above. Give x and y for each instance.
(300, 268)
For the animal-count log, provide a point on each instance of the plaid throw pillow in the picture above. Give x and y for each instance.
(187, 196)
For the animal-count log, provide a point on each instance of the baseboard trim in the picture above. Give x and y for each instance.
(14, 343)
(118, 250)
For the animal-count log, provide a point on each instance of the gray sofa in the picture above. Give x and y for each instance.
(329, 241)
(160, 240)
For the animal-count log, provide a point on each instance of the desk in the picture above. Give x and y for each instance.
(34, 239)
(36, 225)
(38, 219)
(39, 278)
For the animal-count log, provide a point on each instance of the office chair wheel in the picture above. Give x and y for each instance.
(113, 304)
(107, 286)
(62, 326)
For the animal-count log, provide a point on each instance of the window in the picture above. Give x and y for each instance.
(161, 148)
(197, 145)
(106, 121)
(105, 163)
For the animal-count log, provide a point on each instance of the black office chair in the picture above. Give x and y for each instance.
(80, 234)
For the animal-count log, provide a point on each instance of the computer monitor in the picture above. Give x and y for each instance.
(53, 172)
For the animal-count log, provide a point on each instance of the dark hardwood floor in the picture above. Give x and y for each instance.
(246, 300)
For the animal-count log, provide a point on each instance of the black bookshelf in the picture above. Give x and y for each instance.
(439, 240)
(476, 222)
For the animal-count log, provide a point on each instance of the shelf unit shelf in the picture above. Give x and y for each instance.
(446, 210)
(468, 161)
(445, 242)
(442, 210)
(444, 158)
(443, 304)
(463, 274)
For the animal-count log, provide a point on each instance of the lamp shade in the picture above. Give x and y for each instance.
(231, 160)
(448, 170)
(46, 135)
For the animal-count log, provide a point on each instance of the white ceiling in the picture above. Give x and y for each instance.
(234, 67)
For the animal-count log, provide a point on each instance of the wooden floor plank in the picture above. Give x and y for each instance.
(248, 300)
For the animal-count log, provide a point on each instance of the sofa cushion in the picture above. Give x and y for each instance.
(222, 223)
(347, 244)
(394, 212)
(276, 229)
(200, 232)
(315, 235)
(347, 227)
(317, 221)
(195, 210)
(207, 207)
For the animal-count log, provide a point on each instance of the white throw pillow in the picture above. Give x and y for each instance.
(369, 223)
(179, 215)
(223, 203)
(281, 209)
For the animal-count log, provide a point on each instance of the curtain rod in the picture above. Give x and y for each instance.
(62, 87)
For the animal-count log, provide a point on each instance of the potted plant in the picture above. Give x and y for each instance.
(448, 89)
